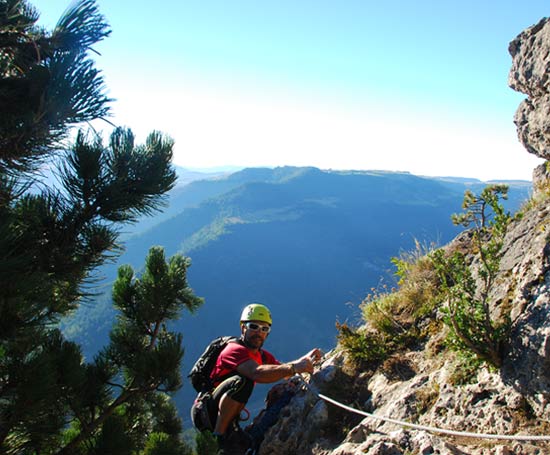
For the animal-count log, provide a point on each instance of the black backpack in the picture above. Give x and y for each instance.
(200, 373)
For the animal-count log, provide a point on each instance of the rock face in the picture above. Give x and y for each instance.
(530, 74)
(513, 400)
(527, 264)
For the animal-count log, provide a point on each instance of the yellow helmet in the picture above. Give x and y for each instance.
(256, 312)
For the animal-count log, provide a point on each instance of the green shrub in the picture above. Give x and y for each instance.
(206, 443)
(360, 345)
(394, 318)
(427, 277)
(380, 313)
(164, 444)
(398, 314)
(466, 290)
(466, 369)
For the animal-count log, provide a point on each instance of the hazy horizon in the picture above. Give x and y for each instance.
(419, 87)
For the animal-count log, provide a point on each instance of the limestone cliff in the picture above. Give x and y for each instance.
(530, 74)
(415, 386)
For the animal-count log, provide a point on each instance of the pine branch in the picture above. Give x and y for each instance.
(47, 82)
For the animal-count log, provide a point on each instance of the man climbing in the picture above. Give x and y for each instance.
(243, 363)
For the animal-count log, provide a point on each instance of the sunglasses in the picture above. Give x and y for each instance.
(254, 326)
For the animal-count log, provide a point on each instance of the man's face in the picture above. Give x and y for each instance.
(255, 333)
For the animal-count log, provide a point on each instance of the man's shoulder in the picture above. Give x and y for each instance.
(234, 346)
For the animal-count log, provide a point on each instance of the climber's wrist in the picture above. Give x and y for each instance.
(292, 367)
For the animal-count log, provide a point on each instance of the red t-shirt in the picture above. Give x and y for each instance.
(233, 355)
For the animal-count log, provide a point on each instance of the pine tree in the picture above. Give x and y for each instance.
(52, 237)
(142, 360)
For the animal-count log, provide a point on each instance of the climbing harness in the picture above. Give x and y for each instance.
(423, 427)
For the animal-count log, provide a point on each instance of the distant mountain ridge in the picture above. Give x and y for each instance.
(309, 243)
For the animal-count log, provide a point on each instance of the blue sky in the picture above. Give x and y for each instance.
(397, 85)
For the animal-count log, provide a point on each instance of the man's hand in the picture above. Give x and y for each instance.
(315, 355)
(305, 363)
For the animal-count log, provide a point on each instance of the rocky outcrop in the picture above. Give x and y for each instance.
(513, 400)
(530, 74)
(525, 268)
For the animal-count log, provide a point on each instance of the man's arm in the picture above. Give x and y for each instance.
(274, 373)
